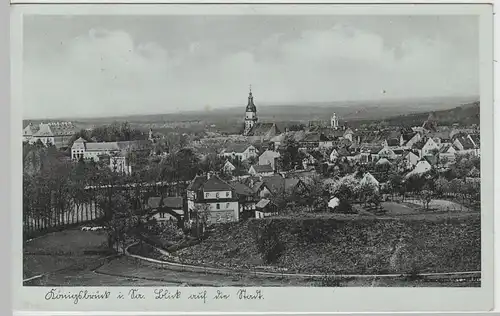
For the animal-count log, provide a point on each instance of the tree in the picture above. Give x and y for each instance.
(441, 186)
(347, 188)
(201, 218)
(396, 183)
(316, 196)
(366, 192)
(425, 197)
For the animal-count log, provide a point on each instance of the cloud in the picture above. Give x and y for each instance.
(107, 72)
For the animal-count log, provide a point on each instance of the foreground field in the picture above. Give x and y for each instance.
(349, 246)
(63, 250)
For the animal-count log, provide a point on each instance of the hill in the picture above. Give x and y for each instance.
(464, 115)
(298, 112)
(362, 246)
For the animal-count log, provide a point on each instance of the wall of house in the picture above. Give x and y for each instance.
(224, 212)
(217, 195)
(429, 146)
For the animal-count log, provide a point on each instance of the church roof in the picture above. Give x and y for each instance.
(263, 129)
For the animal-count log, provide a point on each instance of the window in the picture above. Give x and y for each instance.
(218, 206)
(162, 215)
(217, 195)
(228, 194)
(207, 194)
(227, 205)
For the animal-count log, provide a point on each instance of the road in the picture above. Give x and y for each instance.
(125, 271)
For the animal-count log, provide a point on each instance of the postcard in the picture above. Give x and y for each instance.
(252, 157)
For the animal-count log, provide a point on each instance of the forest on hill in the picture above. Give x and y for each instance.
(464, 115)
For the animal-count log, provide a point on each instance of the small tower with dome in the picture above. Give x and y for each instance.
(334, 121)
(250, 114)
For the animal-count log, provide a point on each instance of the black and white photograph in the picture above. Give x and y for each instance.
(252, 150)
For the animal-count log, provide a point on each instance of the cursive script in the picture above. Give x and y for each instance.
(54, 294)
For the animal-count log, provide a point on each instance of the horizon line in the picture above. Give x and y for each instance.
(477, 97)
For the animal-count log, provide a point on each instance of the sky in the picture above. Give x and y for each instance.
(91, 66)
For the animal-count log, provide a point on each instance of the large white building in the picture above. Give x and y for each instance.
(216, 195)
(57, 133)
(117, 152)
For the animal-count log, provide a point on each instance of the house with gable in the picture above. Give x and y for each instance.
(409, 139)
(265, 208)
(269, 157)
(228, 167)
(387, 152)
(58, 133)
(247, 198)
(218, 196)
(426, 147)
(448, 151)
(348, 134)
(261, 170)
(422, 167)
(334, 155)
(241, 151)
(407, 162)
(465, 145)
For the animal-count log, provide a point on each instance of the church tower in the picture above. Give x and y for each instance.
(334, 121)
(250, 114)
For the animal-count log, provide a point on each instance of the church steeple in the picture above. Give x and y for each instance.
(250, 105)
(250, 113)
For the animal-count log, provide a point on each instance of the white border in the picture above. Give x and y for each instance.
(280, 299)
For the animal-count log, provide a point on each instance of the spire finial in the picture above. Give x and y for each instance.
(250, 88)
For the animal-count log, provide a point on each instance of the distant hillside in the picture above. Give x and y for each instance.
(347, 111)
(466, 114)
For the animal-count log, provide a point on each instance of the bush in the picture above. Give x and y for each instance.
(269, 244)
(344, 207)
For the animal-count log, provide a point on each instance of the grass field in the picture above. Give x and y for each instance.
(61, 250)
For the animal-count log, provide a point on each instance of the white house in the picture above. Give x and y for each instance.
(410, 160)
(88, 150)
(261, 170)
(427, 148)
(269, 157)
(216, 195)
(240, 151)
(387, 152)
(383, 161)
(409, 140)
(448, 151)
(334, 155)
(228, 167)
(422, 166)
